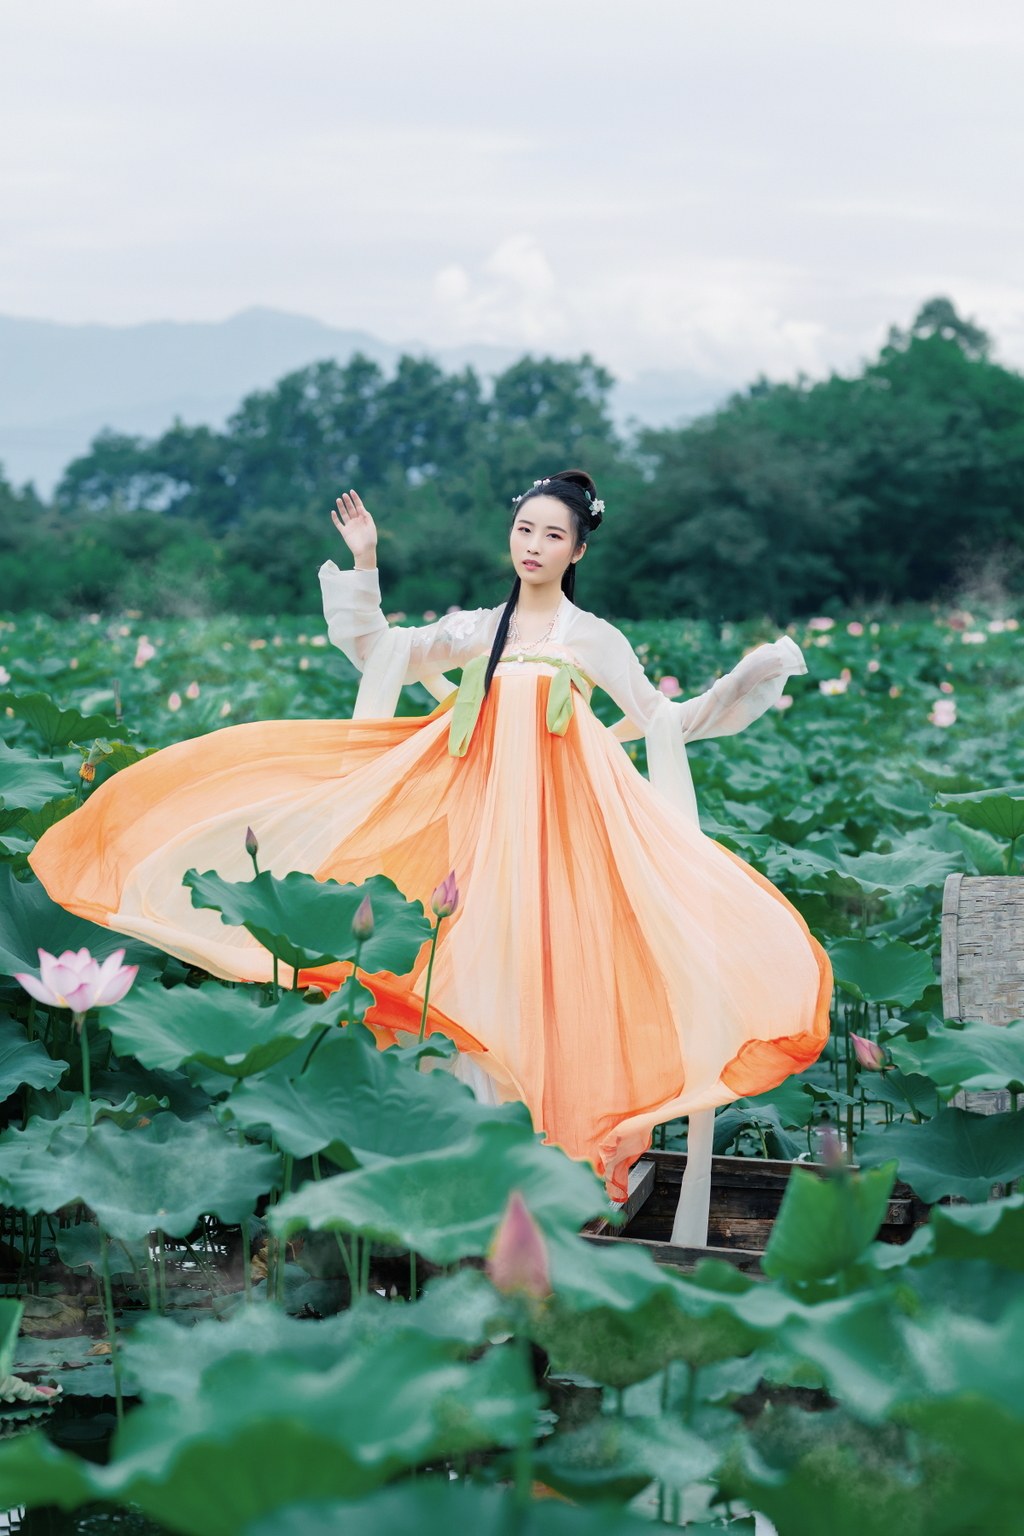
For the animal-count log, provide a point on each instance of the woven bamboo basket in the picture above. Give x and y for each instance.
(983, 960)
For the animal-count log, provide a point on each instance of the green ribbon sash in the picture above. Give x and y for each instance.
(470, 697)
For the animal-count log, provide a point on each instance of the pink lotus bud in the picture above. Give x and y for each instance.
(868, 1053)
(144, 651)
(362, 923)
(252, 847)
(670, 687)
(174, 702)
(519, 1256)
(445, 898)
(192, 691)
(831, 1149)
(855, 628)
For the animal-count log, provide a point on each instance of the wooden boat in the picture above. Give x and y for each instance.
(746, 1193)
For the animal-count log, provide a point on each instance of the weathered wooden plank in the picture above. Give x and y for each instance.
(685, 1259)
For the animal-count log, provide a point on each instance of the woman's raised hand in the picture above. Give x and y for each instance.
(358, 529)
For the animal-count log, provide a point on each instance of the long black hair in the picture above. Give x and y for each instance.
(576, 490)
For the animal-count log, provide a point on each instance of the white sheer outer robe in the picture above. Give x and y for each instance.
(390, 657)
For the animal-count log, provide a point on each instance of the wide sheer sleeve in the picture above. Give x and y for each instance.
(729, 705)
(391, 656)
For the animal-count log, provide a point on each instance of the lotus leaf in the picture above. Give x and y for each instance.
(30, 921)
(263, 1432)
(164, 1175)
(824, 1225)
(907, 1092)
(615, 1458)
(81, 1247)
(617, 1317)
(909, 869)
(999, 811)
(879, 971)
(815, 1472)
(307, 922)
(763, 1119)
(432, 1507)
(986, 853)
(27, 781)
(361, 1105)
(993, 1231)
(224, 1029)
(956, 1153)
(54, 726)
(975, 1056)
(24, 1061)
(447, 1203)
(70, 1364)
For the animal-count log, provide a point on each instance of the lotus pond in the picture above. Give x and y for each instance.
(313, 1286)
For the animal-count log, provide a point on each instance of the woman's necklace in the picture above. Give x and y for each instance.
(515, 642)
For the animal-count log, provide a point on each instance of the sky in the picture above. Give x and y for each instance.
(731, 187)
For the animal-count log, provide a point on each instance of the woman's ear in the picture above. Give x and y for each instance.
(579, 554)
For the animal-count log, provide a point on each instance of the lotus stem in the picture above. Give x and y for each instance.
(343, 1250)
(316, 1166)
(430, 975)
(154, 1303)
(162, 1271)
(350, 1012)
(247, 1259)
(108, 1309)
(524, 1445)
(83, 1038)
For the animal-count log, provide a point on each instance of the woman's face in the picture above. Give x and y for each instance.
(543, 541)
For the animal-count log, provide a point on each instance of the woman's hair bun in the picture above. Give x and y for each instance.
(595, 509)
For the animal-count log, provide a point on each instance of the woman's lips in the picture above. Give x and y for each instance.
(531, 565)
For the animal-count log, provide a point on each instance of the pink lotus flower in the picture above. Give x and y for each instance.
(855, 628)
(144, 651)
(785, 702)
(445, 898)
(868, 1053)
(362, 923)
(670, 687)
(519, 1256)
(192, 691)
(174, 702)
(820, 623)
(77, 981)
(943, 713)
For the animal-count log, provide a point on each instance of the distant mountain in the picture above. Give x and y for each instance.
(60, 384)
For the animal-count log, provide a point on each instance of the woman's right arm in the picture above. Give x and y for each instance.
(355, 622)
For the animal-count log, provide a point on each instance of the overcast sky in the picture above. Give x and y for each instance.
(731, 186)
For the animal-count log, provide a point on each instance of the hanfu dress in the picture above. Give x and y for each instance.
(608, 964)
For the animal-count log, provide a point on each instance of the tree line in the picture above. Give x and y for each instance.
(887, 485)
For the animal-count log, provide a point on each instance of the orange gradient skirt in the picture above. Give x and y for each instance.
(608, 964)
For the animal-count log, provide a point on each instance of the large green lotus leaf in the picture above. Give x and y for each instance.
(181, 1097)
(447, 1204)
(615, 1458)
(905, 1091)
(811, 1473)
(617, 1317)
(307, 922)
(999, 811)
(956, 1153)
(263, 1431)
(28, 781)
(432, 1507)
(164, 1175)
(68, 1363)
(362, 1105)
(824, 1225)
(225, 1029)
(54, 726)
(975, 1056)
(167, 1174)
(790, 1100)
(986, 853)
(81, 1247)
(25, 1061)
(762, 1119)
(908, 869)
(879, 971)
(993, 1231)
(30, 921)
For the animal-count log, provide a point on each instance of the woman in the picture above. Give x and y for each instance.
(608, 964)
